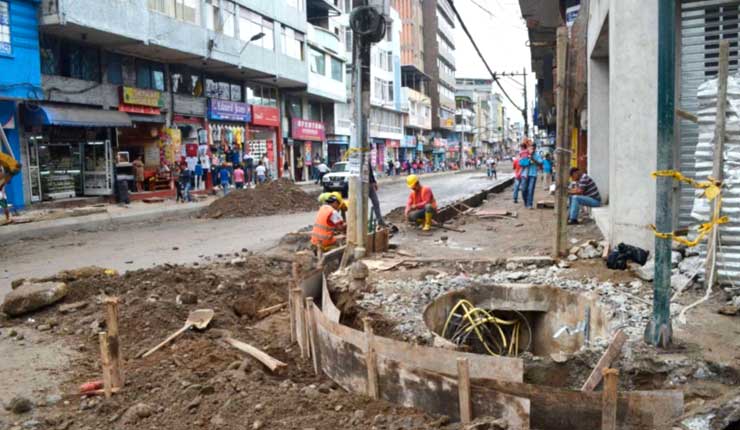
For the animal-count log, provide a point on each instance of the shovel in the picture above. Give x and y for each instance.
(198, 319)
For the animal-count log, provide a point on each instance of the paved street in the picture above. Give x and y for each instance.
(136, 246)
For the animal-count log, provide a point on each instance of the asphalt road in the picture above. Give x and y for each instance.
(180, 241)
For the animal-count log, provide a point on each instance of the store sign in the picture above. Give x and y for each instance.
(408, 142)
(137, 100)
(390, 143)
(450, 122)
(265, 115)
(303, 129)
(225, 110)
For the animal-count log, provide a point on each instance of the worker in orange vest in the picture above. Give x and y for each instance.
(421, 203)
(328, 224)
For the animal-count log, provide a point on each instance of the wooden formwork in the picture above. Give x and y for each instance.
(431, 379)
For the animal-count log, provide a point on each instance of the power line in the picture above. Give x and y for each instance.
(485, 63)
(483, 9)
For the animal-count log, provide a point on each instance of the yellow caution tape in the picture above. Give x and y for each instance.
(712, 190)
(351, 151)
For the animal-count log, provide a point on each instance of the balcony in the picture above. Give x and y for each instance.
(325, 39)
(416, 117)
(447, 53)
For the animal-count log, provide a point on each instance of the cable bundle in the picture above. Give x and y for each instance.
(491, 334)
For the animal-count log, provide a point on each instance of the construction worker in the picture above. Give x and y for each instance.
(421, 203)
(342, 203)
(328, 223)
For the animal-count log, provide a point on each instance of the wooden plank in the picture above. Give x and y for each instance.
(111, 312)
(687, 116)
(300, 320)
(609, 400)
(327, 305)
(561, 409)
(371, 361)
(264, 312)
(611, 353)
(271, 363)
(312, 334)
(463, 388)
(493, 212)
(105, 364)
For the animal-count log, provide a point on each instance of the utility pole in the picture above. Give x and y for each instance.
(368, 23)
(526, 104)
(659, 331)
(561, 200)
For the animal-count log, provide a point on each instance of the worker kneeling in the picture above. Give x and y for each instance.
(421, 204)
(328, 224)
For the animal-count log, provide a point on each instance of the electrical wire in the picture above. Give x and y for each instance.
(485, 63)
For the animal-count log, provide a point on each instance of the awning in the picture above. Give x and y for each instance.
(157, 119)
(68, 116)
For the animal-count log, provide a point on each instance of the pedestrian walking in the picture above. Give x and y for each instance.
(224, 177)
(239, 177)
(138, 165)
(547, 171)
(186, 178)
(323, 169)
(198, 175)
(261, 172)
(491, 167)
(248, 168)
(517, 178)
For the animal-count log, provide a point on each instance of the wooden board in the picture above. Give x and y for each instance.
(611, 353)
(328, 308)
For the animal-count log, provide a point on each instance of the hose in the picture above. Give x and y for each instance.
(485, 325)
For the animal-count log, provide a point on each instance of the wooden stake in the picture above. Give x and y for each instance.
(295, 283)
(371, 360)
(300, 320)
(561, 201)
(264, 312)
(717, 161)
(312, 334)
(611, 353)
(111, 312)
(105, 364)
(609, 400)
(261, 356)
(463, 388)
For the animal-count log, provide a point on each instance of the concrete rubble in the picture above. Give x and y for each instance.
(33, 296)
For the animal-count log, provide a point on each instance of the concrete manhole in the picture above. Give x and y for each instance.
(509, 319)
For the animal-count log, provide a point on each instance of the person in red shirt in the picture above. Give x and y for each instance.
(421, 203)
(517, 178)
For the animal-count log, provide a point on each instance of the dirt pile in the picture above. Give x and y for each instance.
(275, 197)
(199, 381)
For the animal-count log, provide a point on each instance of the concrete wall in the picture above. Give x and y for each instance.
(630, 84)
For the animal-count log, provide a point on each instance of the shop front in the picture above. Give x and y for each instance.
(10, 125)
(392, 149)
(377, 154)
(408, 148)
(264, 138)
(227, 132)
(144, 141)
(308, 138)
(69, 150)
(439, 150)
(189, 134)
(337, 147)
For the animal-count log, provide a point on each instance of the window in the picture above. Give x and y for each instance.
(337, 69)
(187, 10)
(294, 107)
(318, 62)
(221, 20)
(292, 43)
(5, 46)
(347, 6)
(150, 75)
(186, 81)
(378, 89)
(166, 7)
(114, 68)
(314, 111)
(348, 39)
(383, 90)
(261, 95)
(251, 24)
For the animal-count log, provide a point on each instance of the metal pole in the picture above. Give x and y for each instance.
(659, 331)
(561, 200)
(526, 104)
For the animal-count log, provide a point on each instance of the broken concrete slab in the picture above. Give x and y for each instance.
(33, 296)
(645, 272)
(692, 265)
(680, 282)
(537, 260)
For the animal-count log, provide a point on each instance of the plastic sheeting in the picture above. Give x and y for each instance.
(728, 258)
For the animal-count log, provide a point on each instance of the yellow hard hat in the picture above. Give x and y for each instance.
(323, 197)
(412, 180)
(338, 195)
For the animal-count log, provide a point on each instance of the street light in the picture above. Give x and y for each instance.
(257, 36)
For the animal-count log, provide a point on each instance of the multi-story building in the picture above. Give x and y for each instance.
(439, 64)
(20, 80)
(415, 100)
(483, 125)
(386, 118)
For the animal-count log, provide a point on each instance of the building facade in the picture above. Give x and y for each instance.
(439, 64)
(20, 80)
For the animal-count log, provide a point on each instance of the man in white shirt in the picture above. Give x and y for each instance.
(323, 169)
(491, 167)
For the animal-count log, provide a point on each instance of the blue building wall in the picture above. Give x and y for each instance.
(20, 78)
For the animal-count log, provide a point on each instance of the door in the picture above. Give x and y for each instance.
(98, 177)
(34, 172)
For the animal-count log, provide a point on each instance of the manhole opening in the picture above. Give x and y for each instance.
(511, 319)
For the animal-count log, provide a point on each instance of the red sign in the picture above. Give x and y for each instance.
(390, 143)
(265, 115)
(144, 110)
(304, 129)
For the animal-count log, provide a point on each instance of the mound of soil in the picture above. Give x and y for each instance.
(198, 381)
(275, 197)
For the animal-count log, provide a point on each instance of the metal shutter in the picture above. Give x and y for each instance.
(703, 24)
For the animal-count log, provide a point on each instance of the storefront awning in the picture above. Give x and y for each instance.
(156, 119)
(74, 116)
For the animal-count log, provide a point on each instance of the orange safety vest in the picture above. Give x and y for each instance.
(423, 195)
(323, 229)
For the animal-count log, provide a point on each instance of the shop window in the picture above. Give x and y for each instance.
(5, 46)
(337, 69)
(113, 68)
(318, 62)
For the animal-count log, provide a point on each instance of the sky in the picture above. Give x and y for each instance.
(500, 33)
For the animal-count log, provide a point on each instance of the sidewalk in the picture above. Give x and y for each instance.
(310, 186)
